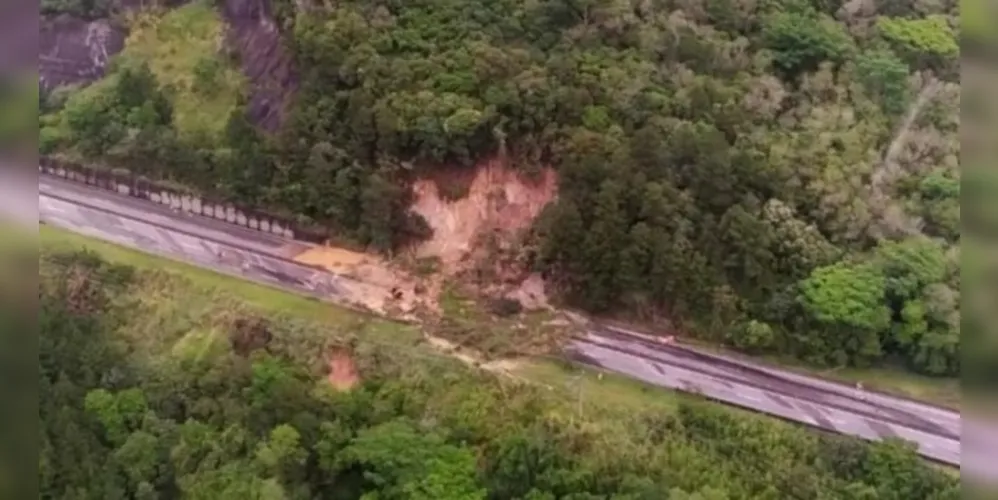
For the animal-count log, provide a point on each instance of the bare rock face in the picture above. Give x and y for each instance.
(253, 34)
(73, 51)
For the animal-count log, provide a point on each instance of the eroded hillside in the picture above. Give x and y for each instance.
(253, 35)
(745, 171)
(74, 51)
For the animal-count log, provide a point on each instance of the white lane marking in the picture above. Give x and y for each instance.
(54, 207)
(189, 244)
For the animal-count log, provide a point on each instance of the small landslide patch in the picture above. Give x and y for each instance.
(343, 373)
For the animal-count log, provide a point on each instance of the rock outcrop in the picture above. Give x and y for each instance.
(267, 64)
(75, 51)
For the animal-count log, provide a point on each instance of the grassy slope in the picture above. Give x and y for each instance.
(180, 42)
(179, 45)
(179, 290)
(573, 382)
(197, 289)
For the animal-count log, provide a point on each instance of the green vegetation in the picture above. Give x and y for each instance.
(182, 50)
(764, 174)
(154, 385)
(498, 329)
(86, 9)
(170, 88)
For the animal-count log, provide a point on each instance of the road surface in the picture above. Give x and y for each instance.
(840, 409)
(264, 258)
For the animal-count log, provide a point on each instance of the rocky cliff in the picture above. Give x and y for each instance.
(254, 35)
(75, 51)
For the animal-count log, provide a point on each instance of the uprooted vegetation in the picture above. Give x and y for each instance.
(781, 177)
(142, 394)
(497, 327)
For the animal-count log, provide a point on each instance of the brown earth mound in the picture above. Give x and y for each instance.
(343, 374)
(499, 199)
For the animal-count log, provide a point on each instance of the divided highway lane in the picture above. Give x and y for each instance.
(913, 414)
(160, 215)
(259, 257)
(227, 257)
(939, 434)
(150, 228)
(672, 369)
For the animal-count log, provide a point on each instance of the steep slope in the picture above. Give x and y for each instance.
(75, 51)
(718, 164)
(499, 201)
(254, 36)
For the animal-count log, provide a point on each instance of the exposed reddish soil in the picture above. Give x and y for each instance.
(372, 282)
(499, 200)
(343, 373)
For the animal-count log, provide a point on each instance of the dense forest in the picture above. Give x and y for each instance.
(150, 390)
(778, 175)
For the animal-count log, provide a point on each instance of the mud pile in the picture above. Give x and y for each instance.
(499, 200)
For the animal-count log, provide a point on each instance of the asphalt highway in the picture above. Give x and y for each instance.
(265, 258)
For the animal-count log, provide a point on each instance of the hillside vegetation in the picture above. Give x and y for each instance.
(156, 386)
(779, 175)
(182, 50)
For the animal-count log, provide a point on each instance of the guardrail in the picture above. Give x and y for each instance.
(141, 188)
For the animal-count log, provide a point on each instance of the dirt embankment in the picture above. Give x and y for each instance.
(475, 231)
(343, 374)
(478, 235)
(498, 199)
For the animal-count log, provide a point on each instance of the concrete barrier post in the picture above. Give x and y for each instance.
(135, 186)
